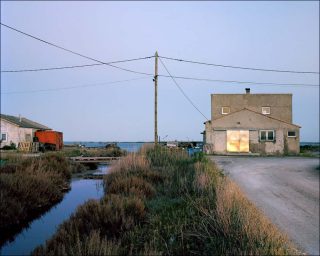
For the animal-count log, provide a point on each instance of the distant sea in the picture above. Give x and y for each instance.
(128, 146)
(135, 146)
(309, 143)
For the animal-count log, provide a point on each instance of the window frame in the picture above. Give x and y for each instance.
(225, 113)
(264, 108)
(267, 133)
(290, 136)
(6, 134)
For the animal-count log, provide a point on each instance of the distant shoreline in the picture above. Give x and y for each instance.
(106, 142)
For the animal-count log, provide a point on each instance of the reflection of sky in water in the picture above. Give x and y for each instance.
(43, 228)
(102, 169)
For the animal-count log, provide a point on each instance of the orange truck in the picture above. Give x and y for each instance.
(49, 140)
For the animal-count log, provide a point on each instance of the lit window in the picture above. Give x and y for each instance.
(266, 110)
(291, 134)
(225, 110)
(267, 135)
(3, 136)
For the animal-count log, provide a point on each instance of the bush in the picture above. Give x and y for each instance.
(11, 147)
(161, 201)
(101, 222)
(29, 186)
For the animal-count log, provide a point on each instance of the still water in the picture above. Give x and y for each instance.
(44, 227)
(128, 146)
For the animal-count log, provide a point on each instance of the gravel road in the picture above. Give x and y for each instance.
(286, 189)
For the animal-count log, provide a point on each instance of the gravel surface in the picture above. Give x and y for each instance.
(286, 189)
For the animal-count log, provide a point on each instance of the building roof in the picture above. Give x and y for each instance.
(266, 116)
(24, 122)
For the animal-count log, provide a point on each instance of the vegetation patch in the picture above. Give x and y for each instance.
(108, 151)
(29, 187)
(310, 150)
(161, 201)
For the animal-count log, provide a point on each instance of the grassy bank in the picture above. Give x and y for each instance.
(29, 187)
(310, 150)
(164, 202)
(112, 151)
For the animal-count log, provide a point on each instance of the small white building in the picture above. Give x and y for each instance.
(18, 129)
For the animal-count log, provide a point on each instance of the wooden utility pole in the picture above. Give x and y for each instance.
(156, 99)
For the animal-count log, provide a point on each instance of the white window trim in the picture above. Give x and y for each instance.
(225, 113)
(295, 134)
(274, 137)
(6, 136)
(265, 112)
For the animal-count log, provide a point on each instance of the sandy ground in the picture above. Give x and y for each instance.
(285, 189)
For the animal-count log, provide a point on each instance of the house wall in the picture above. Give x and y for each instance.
(280, 104)
(267, 147)
(14, 133)
(248, 120)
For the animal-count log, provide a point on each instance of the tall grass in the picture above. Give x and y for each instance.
(93, 152)
(161, 201)
(28, 187)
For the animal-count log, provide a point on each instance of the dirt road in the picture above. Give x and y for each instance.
(285, 189)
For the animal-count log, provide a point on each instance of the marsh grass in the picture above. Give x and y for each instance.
(29, 187)
(161, 201)
(92, 152)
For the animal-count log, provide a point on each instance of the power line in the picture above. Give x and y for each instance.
(74, 87)
(149, 74)
(69, 67)
(73, 52)
(242, 82)
(184, 94)
(239, 67)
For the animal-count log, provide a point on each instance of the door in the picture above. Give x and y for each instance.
(237, 141)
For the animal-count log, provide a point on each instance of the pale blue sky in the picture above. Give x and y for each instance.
(276, 35)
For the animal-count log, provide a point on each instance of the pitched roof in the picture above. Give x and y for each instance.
(24, 123)
(258, 114)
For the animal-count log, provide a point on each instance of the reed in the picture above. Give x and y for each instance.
(29, 187)
(161, 201)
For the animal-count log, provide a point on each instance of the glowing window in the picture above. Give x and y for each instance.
(266, 110)
(225, 110)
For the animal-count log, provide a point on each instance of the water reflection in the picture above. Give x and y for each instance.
(44, 227)
(102, 170)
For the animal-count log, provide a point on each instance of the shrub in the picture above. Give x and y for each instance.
(29, 186)
(161, 201)
(112, 216)
(131, 186)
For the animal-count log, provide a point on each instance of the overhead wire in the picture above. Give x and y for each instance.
(239, 67)
(149, 74)
(182, 91)
(74, 87)
(76, 53)
(74, 66)
(242, 82)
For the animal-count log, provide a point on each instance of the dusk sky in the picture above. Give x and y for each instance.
(269, 35)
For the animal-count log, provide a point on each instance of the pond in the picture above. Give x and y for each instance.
(44, 227)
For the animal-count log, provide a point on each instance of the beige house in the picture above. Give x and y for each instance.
(251, 123)
(18, 129)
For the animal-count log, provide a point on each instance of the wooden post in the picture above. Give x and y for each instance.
(156, 100)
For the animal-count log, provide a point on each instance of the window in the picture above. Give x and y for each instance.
(291, 134)
(28, 137)
(267, 135)
(265, 110)
(3, 137)
(225, 110)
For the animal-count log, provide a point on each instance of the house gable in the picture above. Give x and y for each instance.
(250, 120)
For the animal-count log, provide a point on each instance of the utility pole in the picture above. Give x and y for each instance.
(156, 99)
